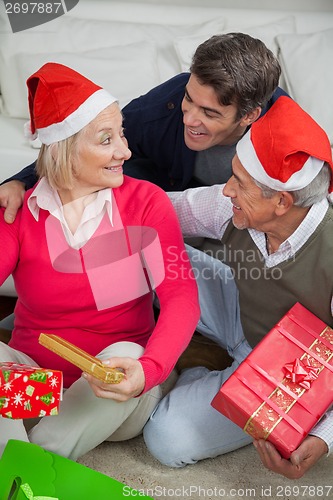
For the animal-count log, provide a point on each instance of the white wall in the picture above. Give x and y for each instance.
(303, 5)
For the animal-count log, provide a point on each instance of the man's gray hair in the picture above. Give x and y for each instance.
(314, 192)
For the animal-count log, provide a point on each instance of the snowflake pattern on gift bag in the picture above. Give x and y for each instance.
(29, 392)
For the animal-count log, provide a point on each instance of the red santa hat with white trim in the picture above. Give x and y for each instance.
(285, 149)
(62, 102)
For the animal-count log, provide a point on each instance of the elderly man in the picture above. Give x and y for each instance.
(275, 226)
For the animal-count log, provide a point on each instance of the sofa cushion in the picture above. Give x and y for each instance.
(77, 36)
(101, 33)
(306, 62)
(113, 68)
(185, 45)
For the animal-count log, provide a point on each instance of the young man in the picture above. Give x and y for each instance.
(275, 223)
(184, 132)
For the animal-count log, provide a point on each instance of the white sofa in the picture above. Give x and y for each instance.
(130, 47)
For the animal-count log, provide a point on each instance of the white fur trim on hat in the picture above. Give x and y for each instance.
(28, 133)
(250, 161)
(75, 122)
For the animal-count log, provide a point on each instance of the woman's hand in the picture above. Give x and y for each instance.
(132, 385)
(301, 460)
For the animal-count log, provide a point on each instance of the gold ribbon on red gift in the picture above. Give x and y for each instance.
(299, 375)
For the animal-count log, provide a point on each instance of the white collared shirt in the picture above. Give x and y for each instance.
(95, 206)
(206, 212)
(296, 240)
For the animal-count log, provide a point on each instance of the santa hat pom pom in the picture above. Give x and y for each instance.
(28, 132)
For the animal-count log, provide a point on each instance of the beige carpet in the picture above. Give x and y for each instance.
(236, 475)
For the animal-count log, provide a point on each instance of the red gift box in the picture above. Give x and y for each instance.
(28, 391)
(285, 385)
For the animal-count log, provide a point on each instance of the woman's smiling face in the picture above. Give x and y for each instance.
(101, 152)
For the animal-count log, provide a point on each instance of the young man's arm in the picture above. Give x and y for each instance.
(27, 176)
(202, 212)
(12, 191)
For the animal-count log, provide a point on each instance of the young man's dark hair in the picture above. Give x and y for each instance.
(241, 70)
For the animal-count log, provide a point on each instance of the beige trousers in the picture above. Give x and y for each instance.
(84, 421)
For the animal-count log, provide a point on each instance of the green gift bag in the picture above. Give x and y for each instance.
(28, 472)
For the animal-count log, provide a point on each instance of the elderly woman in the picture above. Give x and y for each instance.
(87, 251)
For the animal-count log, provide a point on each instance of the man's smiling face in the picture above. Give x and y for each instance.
(250, 208)
(207, 123)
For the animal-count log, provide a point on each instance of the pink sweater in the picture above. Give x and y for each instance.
(52, 300)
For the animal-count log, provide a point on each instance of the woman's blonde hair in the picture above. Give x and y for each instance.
(56, 162)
